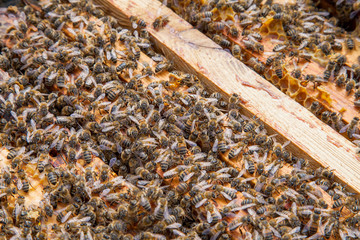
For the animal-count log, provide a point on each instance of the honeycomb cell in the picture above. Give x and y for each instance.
(308, 101)
(301, 96)
(294, 85)
(284, 83)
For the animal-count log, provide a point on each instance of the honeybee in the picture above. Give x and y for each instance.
(236, 51)
(234, 31)
(160, 22)
(350, 44)
(340, 80)
(253, 46)
(278, 68)
(313, 224)
(351, 128)
(279, 148)
(325, 47)
(135, 21)
(221, 41)
(51, 174)
(163, 66)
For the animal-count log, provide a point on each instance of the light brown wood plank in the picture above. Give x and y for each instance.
(219, 71)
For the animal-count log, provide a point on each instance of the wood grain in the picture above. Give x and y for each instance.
(195, 53)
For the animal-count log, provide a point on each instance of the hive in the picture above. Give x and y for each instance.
(103, 137)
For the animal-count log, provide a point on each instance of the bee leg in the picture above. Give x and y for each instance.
(341, 208)
(63, 158)
(31, 185)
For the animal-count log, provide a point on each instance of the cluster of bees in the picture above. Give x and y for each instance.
(126, 147)
(299, 32)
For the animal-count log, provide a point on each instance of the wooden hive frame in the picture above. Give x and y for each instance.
(195, 53)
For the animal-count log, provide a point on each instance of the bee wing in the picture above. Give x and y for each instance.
(276, 233)
(254, 148)
(233, 226)
(89, 236)
(179, 233)
(132, 118)
(173, 146)
(246, 164)
(187, 177)
(14, 115)
(274, 170)
(170, 172)
(354, 13)
(191, 143)
(193, 125)
(248, 195)
(19, 184)
(279, 219)
(226, 195)
(209, 217)
(112, 162)
(66, 217)
(343, 129)
(76, 115)
(282, 215)
(105, 192)
(118, 180)
(243, 207)
(223, 170)
(215, 146)
(53, 144)
(260, 199)
(202, 202)
(307, 226)
(93, 151)
(21, 151)
(294, 208)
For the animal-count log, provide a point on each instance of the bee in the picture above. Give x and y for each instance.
(219, 228)
(143, 173)
(160, 22)
(163, 66)
(49, 210)
(313, 223)
(325, 47)
(15, 152)
(51, 174)
(350, 44)
(222, 146)
(135, 21)
(4, 63)
(350, 85)
(337, 46)
(182, 187)
(340, 80)
(350, 128)
(278, 70)
(234, 31)
(279, 47)
(249, 165)
(258, 66)
(221, 41)
(86, 153)
(279, 149)
(228, 193)
(63, 216)
(236, 51)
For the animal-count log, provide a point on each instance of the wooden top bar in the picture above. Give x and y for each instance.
(195, 53)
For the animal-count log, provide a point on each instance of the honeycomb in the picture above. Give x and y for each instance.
(141, 151)
(332, 99)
